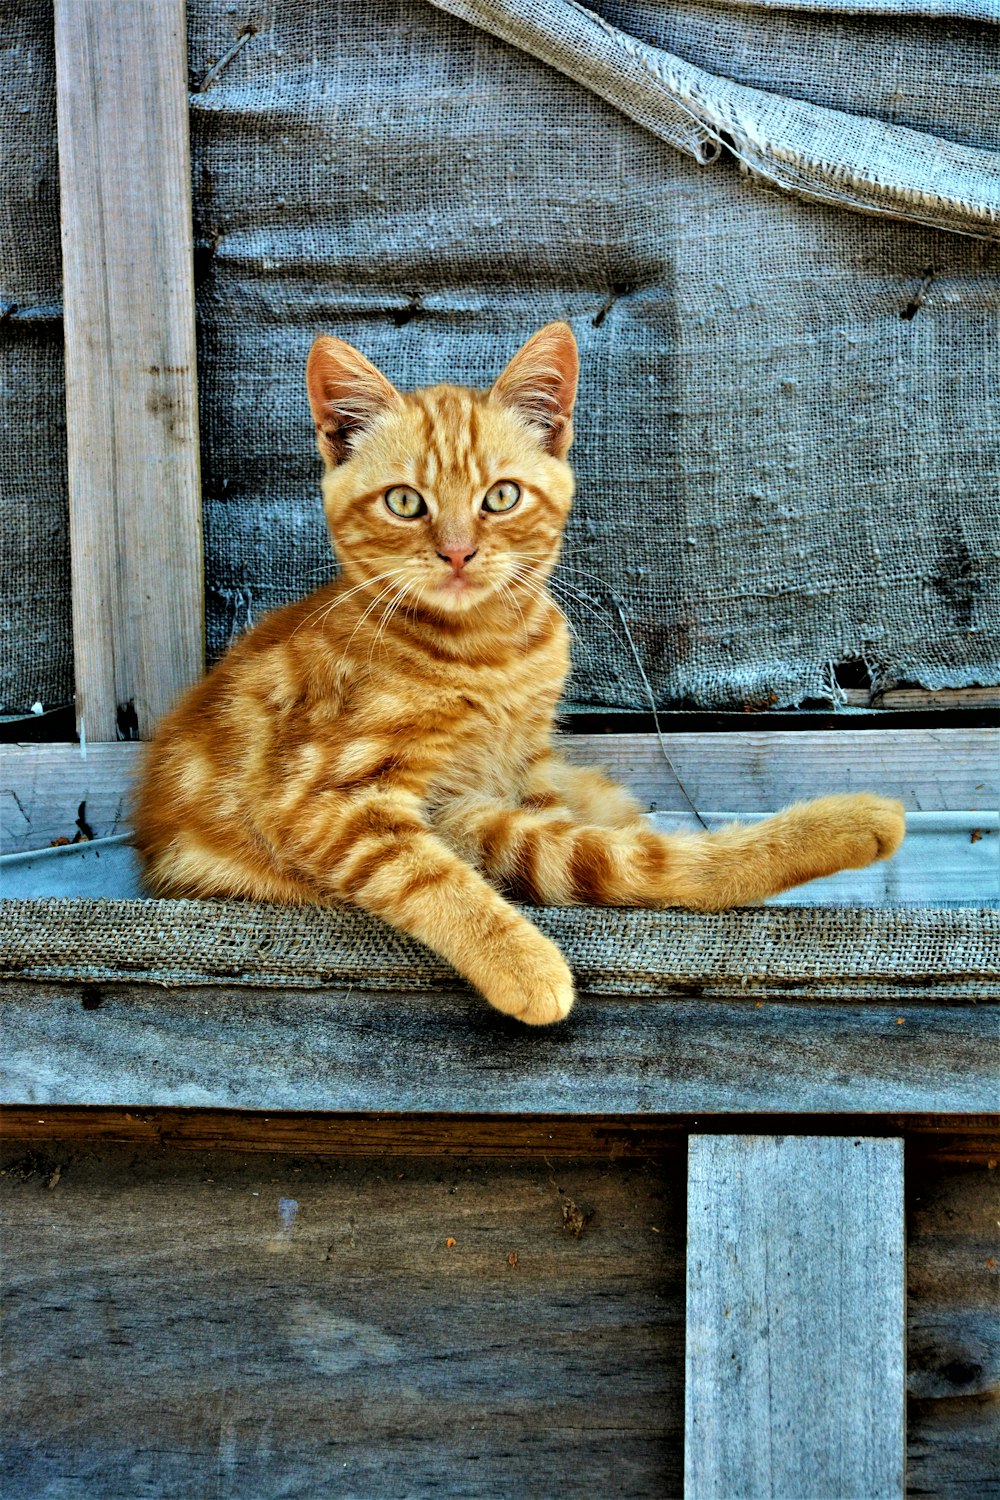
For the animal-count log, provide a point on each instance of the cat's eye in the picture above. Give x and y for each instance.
(502, 496)
(403, 501)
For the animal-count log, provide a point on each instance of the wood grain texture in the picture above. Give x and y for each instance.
(184, 1232)
(794, 1374)
(932, 770)
(923, 698)
(953, 1321)
(43, 787)
(964, 1139)
(929, 770)
(198, 1327)
(141, 1046)
(131, 400)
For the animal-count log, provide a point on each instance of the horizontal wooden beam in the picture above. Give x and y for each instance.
(935, 770)
(918, 699)
(962, 1139)
(257, 1329)
(131, 399)
(145, 1047)
(795, 1373)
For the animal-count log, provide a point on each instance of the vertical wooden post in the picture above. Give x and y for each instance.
(131, 396)
(795, 1369)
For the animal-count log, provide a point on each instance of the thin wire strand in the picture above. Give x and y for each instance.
(656, 718)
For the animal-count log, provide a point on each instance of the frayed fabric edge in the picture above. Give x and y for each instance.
(815, 153)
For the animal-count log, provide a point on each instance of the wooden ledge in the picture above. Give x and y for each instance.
(141, 1046)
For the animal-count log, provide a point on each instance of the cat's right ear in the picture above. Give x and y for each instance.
(346, 394)
(540, 383)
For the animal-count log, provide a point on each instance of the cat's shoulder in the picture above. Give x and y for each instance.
(287, 657)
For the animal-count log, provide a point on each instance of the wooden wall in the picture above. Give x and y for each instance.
(241, 1321)
(177, 1328)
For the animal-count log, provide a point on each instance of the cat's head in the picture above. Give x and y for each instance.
(460, 495)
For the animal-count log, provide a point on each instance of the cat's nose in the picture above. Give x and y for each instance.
(458, 556)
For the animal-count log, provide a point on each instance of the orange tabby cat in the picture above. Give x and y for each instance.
(388, 741)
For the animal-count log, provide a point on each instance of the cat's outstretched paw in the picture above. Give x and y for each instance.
(533, 984)
(860, 827)
(875, 825)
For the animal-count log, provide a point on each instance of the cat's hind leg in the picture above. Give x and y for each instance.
(546, 856)
(584, 793)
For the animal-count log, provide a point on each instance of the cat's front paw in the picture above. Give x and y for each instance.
(548, 1001)
(531, 981)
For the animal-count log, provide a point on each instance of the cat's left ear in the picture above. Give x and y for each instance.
(346, 394)
(540, 383)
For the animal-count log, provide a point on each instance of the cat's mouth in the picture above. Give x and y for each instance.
(460, 591)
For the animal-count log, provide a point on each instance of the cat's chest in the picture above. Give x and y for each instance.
(482, 715)
(474, 726)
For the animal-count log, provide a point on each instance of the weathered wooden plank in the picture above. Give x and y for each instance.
(795, 1374)
(947, 859)
(934, 770)
(929, 770)
(131, 403)
(953, 1322)
(919, 699)
(931, 1139)
(196, 1326)
(142, 1047)
(91, 1259)
(46, 789)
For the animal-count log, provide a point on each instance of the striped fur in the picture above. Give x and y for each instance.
(387, 741)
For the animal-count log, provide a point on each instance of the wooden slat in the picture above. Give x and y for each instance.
(140, 1046)
(131, 403)
(953, 1327)
(956, 770)
(42, 789)
(929, 770)
(931, 1139)
(920, 699)
(794, 1381)
(118, 1225)
(198, 1326)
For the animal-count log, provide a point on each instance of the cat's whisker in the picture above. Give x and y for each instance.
(536, 592)
(372, 606)
(394, 604)
(570, 595)
(326, 609)
(568, 567)
(508, 593)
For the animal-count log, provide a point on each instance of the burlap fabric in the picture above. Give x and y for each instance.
(787, 437)
(816, 952)
(36, 636)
